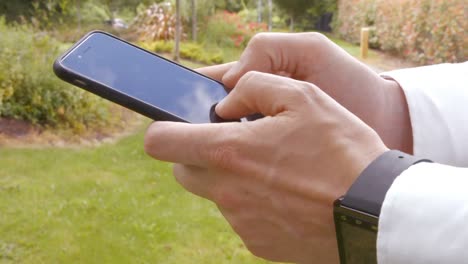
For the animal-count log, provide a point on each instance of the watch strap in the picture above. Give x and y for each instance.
(368, 191)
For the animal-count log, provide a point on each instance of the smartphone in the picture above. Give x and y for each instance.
(139, 80)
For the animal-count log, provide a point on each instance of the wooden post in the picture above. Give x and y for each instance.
(364, 42)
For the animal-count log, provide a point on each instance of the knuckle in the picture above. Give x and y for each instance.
(250, 75)
(260, 39)
(247, 78)
(308, 90)
(316, 37)
(223, 156)
(303, 92)
(224, 152)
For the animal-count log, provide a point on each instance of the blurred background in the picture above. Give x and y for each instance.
(75, 184)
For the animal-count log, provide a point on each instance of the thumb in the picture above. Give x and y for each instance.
(263, 93)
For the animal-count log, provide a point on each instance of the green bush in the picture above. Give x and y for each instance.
(219, 32)
(158, 46)
(30, 91)
(230, 30)
(194, 51)
(423, 31)
(352, 16)
(188, 50)
(434, 32)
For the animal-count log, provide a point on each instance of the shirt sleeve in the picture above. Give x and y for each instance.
(425, 212)
(424, 217)
(437, 99)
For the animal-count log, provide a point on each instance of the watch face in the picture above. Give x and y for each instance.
(356, 235)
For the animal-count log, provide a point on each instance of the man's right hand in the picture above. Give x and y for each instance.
(313, 58)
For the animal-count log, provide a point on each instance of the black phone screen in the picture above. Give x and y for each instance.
(145, 77)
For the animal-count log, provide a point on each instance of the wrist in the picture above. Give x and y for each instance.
(359, 155)
(395, 125)
(356, 214)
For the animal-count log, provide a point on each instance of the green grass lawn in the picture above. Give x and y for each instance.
(109, 204)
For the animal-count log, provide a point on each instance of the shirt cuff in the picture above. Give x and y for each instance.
(423, 217)
(437, 99)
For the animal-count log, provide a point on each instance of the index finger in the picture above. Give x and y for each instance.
(217, 71)
(202, 145)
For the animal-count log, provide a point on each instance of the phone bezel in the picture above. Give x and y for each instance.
(114, 95)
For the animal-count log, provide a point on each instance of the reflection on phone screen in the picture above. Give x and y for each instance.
(146, 77)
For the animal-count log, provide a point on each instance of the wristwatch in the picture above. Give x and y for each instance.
(356, 214)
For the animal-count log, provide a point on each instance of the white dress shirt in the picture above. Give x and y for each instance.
(424, 217)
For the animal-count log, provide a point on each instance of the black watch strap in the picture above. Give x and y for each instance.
(368, 191)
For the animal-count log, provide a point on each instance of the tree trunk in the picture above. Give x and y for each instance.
(194, 20)
(291, 23)
(259, 11)
(177, 32)
(270, 14)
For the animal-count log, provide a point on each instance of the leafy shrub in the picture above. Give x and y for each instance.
(352, 16)
(157, 22)
(194, 51)
(159, 46)
(188, 50)
(434, 32)
(226, 29)
(30, 91)
(424, 31)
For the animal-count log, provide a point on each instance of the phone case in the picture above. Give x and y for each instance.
(113, 95)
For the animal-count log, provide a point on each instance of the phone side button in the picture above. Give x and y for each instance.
(79, 82)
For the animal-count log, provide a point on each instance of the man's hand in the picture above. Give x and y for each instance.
(274, 179)
(313, 58)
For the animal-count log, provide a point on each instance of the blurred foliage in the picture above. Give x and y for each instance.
(30, 91)
(294, 8)
(188, 50)
(195, 52)
(316, 12)
(352, 15)
(156, 22)
(423, 31)
(305, 12)
(13, 10)
(159, 46)
(221, 30)
(226, 29)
